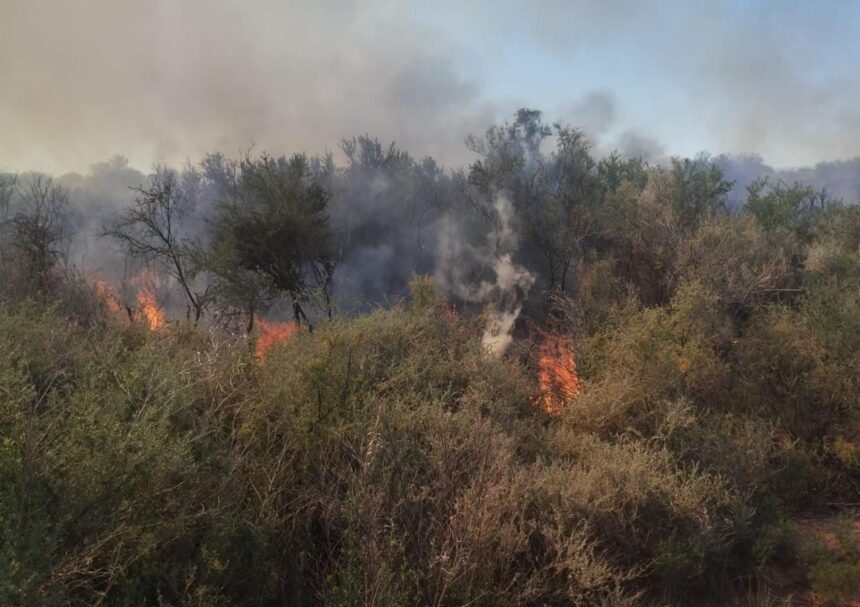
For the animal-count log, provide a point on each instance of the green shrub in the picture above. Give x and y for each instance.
(830, 552)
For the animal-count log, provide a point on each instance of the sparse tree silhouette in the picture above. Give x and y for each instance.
(152, 230)
(7, 188)
(38, 229)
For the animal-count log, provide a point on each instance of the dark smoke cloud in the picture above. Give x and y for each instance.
(631, 144)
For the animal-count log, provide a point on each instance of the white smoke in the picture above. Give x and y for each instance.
(505, 293)
(497, 335)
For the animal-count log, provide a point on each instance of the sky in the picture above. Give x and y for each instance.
(165, 81)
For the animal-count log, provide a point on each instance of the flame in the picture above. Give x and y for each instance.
(272, 333)
(149, 308)
(107, 294)
(557, 376)
(147, 304)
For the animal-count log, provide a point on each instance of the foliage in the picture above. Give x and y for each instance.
(386, 458)
(270, 235)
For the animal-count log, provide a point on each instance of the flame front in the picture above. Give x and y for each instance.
(273, 333)
(557, 376)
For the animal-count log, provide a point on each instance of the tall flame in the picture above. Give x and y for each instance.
(147, 304)
(557, 376)
(273, 333)
(149, 308)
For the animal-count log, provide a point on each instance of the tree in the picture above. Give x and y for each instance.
(270, 236)
(551, 193)
(383, 206)
(152, 229)
(699, 191)
(7, 188)
(558, 214)
(39, 228)
(372, 199)
(777, 205)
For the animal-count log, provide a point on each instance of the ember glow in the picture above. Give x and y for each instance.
(272, 333)
(557, 376)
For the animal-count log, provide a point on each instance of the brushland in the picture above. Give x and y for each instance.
(703, 449)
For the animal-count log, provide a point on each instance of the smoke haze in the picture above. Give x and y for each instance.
(164, 81)
(167, 82)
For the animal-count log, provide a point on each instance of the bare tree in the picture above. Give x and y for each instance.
(40, 228)
(7, 189)
(151, 229)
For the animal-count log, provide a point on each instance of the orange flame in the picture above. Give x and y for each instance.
(106, 293)
(273, 333)
(147, 304)
(149, 308)
(557, 376)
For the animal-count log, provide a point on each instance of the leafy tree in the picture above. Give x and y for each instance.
(613, 171)
(779, 206)
(7, 188)
(700, 191)
(270, 236)
(551, 193)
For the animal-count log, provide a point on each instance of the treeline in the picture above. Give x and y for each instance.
(302, 236)
(712, 454)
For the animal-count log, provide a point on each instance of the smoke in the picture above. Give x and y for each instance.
(595, 113)
(840, 179)
(499, 332)
(487, 274)
(162, 81)
(386, 210)
(95, 197)
(636, 145)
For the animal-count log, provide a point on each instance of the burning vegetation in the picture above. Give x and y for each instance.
(271, 333)
(147, 308)
(557, 378)
(400, 456)
(105, 293)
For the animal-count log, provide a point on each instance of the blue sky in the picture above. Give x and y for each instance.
(168, 80)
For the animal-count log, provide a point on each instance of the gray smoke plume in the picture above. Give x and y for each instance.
(507, 285)
(840, 179)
